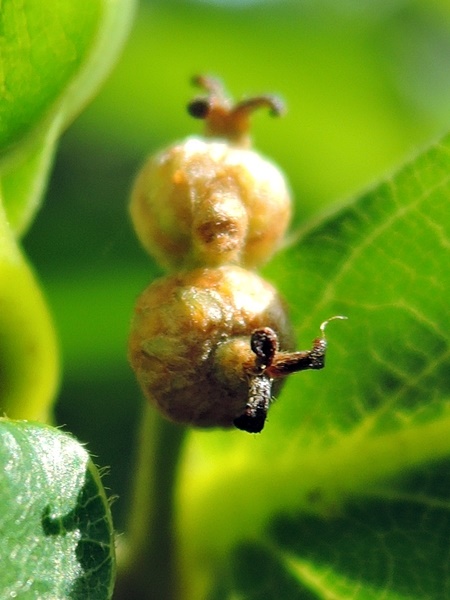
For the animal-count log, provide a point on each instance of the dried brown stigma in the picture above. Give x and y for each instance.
(264, 343)
(222, 117)
(270, 364)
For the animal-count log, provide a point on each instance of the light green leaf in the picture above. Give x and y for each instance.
(23, 181)
(54, 56)
(342, 494)
(29, 364)
(42, 47)
(56, 533)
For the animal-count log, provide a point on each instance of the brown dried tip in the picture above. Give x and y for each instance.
(222, 117)
(270, 364)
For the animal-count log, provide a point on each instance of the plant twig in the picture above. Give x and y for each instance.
(147, 561)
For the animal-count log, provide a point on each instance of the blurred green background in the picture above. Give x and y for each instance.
(367, 85)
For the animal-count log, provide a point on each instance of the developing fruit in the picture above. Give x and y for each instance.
(212, 201)
(190, 341)
(211, 343)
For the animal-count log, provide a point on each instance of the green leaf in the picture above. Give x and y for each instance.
(23, 181)
(56, 532)
(343, 494)
(54, 57)
(42, 48)
(29, 365)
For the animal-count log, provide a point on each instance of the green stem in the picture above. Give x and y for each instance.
(147, 564)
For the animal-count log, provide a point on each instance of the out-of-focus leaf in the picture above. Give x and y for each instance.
(28, 349)
(43, 46)
(23, 181)
(342, 495)
(54, 56)
(56, 532)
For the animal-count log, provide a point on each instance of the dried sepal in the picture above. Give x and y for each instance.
(225, 119)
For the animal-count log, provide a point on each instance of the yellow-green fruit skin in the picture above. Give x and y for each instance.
(208, 203)
(190, 337)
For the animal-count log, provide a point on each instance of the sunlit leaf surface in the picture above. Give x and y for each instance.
(56, 538)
